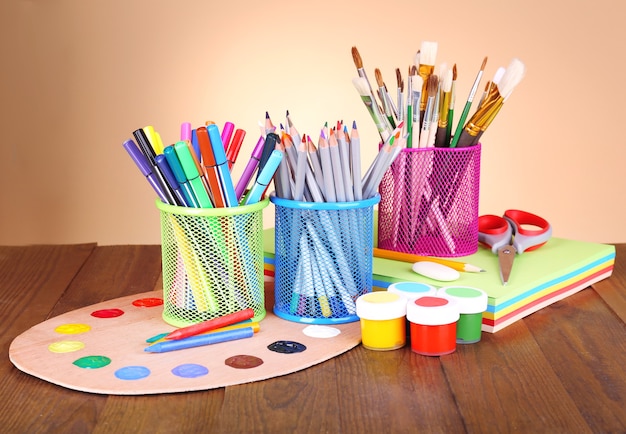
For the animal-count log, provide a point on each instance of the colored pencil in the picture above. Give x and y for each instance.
(411, 258)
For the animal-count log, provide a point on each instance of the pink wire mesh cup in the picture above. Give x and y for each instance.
(429, 202)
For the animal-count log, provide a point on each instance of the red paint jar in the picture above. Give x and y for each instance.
(433, 325)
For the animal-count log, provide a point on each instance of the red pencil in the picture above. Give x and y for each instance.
(211, 324)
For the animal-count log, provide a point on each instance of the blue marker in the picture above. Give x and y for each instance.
(226, 180)
(264, 178)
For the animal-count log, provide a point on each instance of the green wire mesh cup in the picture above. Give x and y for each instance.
(212, 262)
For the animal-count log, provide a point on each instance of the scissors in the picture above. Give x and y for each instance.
(508, 235)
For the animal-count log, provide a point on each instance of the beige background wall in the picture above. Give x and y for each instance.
(78, 76)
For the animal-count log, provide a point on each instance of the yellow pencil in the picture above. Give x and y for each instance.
(409, 257)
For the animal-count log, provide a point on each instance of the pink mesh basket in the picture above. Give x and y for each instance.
(429, 202)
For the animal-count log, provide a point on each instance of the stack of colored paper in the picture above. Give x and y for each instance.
(539, 278)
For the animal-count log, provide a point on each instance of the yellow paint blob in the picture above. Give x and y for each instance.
(65, 346)
(72, 329)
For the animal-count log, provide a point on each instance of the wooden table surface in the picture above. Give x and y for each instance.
(559, 370)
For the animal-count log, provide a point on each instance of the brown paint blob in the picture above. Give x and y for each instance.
(243, 361)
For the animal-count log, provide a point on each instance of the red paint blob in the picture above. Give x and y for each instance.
(148, 302)
(431, 301)
(107, 313)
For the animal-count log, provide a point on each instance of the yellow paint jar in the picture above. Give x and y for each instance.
(383, 317)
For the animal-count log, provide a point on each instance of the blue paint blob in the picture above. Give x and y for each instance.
(190, 370)
(132, 373)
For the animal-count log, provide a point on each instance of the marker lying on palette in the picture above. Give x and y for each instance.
(247, 323)
(211, 324)
(200, 340)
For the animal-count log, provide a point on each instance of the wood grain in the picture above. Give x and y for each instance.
(559, 370)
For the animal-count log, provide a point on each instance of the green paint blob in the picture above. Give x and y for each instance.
(92, 362)
(463, 292)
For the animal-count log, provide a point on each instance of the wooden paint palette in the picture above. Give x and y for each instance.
(100, 349)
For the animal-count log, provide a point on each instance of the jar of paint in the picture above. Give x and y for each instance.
(433, 325)
(412, 290)
(382, 315)
(472, 303)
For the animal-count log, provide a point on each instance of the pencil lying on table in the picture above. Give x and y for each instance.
(409, 257)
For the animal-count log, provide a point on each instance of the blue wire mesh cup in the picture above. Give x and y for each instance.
(323, 259)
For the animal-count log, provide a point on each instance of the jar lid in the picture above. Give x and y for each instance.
(412, 290)
(433, 310)
(471, 300)
(380, 305)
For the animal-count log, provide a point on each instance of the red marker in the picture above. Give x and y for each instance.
(234, 147)
(211, 324)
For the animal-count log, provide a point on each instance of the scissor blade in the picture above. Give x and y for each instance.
(506, 256)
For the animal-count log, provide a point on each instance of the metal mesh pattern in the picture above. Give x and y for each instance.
(429, 202)
(323, 260)
(212, 264)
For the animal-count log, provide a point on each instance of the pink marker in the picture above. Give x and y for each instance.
(227, 133)
(185, 131)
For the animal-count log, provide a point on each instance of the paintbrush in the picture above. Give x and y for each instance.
(408, 125)
(468, 105)
(400, 97)
(358, 63)
(416, 93)
(451, 109)
(431, 90)
(427, 57)
(382, 93)
(444, 110)
(361, 85)
(492, 103)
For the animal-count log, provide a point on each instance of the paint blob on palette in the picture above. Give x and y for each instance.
(100, 349)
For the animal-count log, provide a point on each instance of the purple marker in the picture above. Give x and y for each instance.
(246, 176)
(146, 170)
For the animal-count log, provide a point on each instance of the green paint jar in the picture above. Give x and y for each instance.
(472, 303)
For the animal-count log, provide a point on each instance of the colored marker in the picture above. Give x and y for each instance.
(200, 340)
(194, 143)
(179, 173)
(233, 149)
(248, 171)
(168, 175)
(185, 131)
(268, 147)
(264, 178)
(183, 152)
(147, 170)
(210, 167)
(148, 151)
(226, 181)
(211, 324)
(227, 133)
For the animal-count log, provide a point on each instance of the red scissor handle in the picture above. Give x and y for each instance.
(494, 231)
(527, 239)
